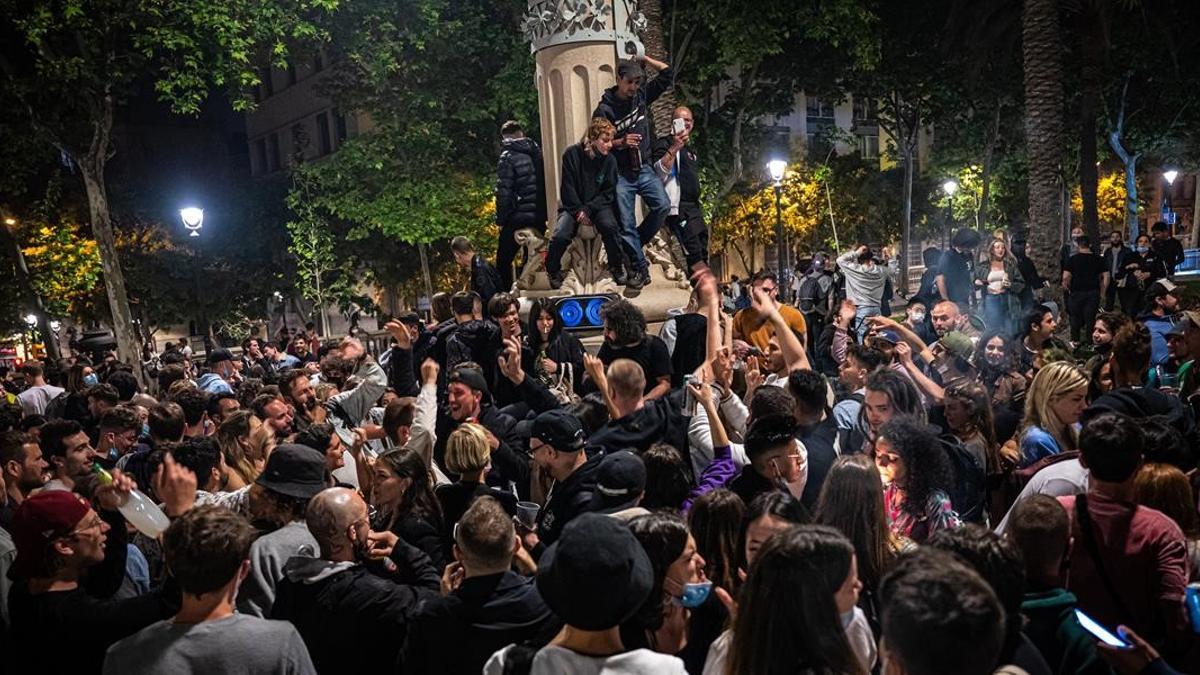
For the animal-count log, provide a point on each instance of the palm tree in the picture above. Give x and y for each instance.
(1044, 134)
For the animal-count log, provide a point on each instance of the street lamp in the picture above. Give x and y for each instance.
(1171, 176)
(31, 320)
(776, 168)
(949, 187)
(193, 219)
(55, 324)
(10, 221)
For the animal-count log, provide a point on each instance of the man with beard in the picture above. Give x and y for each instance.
(23, 469)
(275, 413)
(349, 594)
(297, 390)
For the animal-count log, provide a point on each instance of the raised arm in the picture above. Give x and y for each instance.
(789, 344)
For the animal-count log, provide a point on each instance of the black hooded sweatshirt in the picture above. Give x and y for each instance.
(632, 115)
(353, 617)
(458, 633)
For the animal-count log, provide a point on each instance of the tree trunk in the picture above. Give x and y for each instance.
(1089, 107)
(1131, 195)
(9, 241)
(654, 39)
(906, 243)
(92, 170)
(1041, 48)
(985, 177)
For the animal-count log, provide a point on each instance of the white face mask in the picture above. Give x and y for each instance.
(917, 317)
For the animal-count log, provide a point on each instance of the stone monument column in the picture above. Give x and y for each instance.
(576, 44)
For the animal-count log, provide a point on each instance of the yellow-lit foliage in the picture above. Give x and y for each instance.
(64, 267)
(1110, 201)
(746, 223)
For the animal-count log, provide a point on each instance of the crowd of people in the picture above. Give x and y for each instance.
(844, 486)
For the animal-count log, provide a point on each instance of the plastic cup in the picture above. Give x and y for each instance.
(527, 513)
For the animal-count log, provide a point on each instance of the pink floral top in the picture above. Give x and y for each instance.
(939, 515)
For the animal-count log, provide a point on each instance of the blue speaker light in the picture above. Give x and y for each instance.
(592, 311)
(571, 313)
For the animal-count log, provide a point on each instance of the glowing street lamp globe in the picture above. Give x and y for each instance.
(950, 187)
(1171, 176)
(193, 219)
(776, 167)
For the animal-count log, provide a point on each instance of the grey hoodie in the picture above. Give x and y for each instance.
(268, 555)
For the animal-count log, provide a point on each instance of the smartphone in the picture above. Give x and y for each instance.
(678, 126)
(1100, 632)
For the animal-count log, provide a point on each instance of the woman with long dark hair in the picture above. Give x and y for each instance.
(679, 584)
(791, 609)
(552, 350)
(999, 366)
(716, 524)
(852, 502)
(402, 501)
(917, 472)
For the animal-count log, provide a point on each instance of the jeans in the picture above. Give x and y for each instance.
(996, 314)
(649, 186)
(860, 317)
(1081, 308)
(564, 232)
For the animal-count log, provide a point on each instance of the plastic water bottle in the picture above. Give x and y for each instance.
(137, 508)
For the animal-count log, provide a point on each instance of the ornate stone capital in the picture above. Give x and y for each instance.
(549, 23)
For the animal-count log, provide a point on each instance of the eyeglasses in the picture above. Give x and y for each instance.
(95, 523)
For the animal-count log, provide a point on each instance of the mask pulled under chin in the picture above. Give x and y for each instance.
(694, 594)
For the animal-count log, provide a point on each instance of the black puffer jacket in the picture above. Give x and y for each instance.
(520, 188)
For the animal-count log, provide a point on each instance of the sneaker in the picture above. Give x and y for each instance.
(619, 276)
(556, 279)
(638, 280)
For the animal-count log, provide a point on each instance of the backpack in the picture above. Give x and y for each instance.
(968, 494)
(56, 408)
(814, 300)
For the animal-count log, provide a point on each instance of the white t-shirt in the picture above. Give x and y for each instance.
(552, 660)
(1062, 479)
(34, 400)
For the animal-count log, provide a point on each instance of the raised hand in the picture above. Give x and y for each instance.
(429, 371)
(399, 333)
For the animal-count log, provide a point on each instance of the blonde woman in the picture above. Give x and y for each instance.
(233, 437)
(261, 442)
(587, 194)
(1001, 284)
(469, 455)
(1053, 404)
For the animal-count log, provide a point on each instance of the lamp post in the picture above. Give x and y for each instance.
(949, 187)
(1170, 175)
(31, 321)
(193, 220)
(776, 168)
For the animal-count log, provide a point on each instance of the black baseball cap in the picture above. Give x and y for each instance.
(559, 429)
(469, 377)
(219, 355)
(294, 470)
(620, 481)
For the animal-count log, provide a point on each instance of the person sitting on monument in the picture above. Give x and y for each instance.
(626, 104)
(585, 197)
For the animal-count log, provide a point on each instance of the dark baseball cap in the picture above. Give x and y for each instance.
(469, 377)
(1160, 288)
(295, 471)
(559, 429)
(620, 481)
(219, 355)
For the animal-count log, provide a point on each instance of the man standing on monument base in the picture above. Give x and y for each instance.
(626, 106)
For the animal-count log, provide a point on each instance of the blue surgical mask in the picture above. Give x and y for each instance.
(694, 595)
(91, 379)
(1143, 249)
(145, 432)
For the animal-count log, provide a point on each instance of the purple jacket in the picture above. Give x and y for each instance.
(716, 475)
